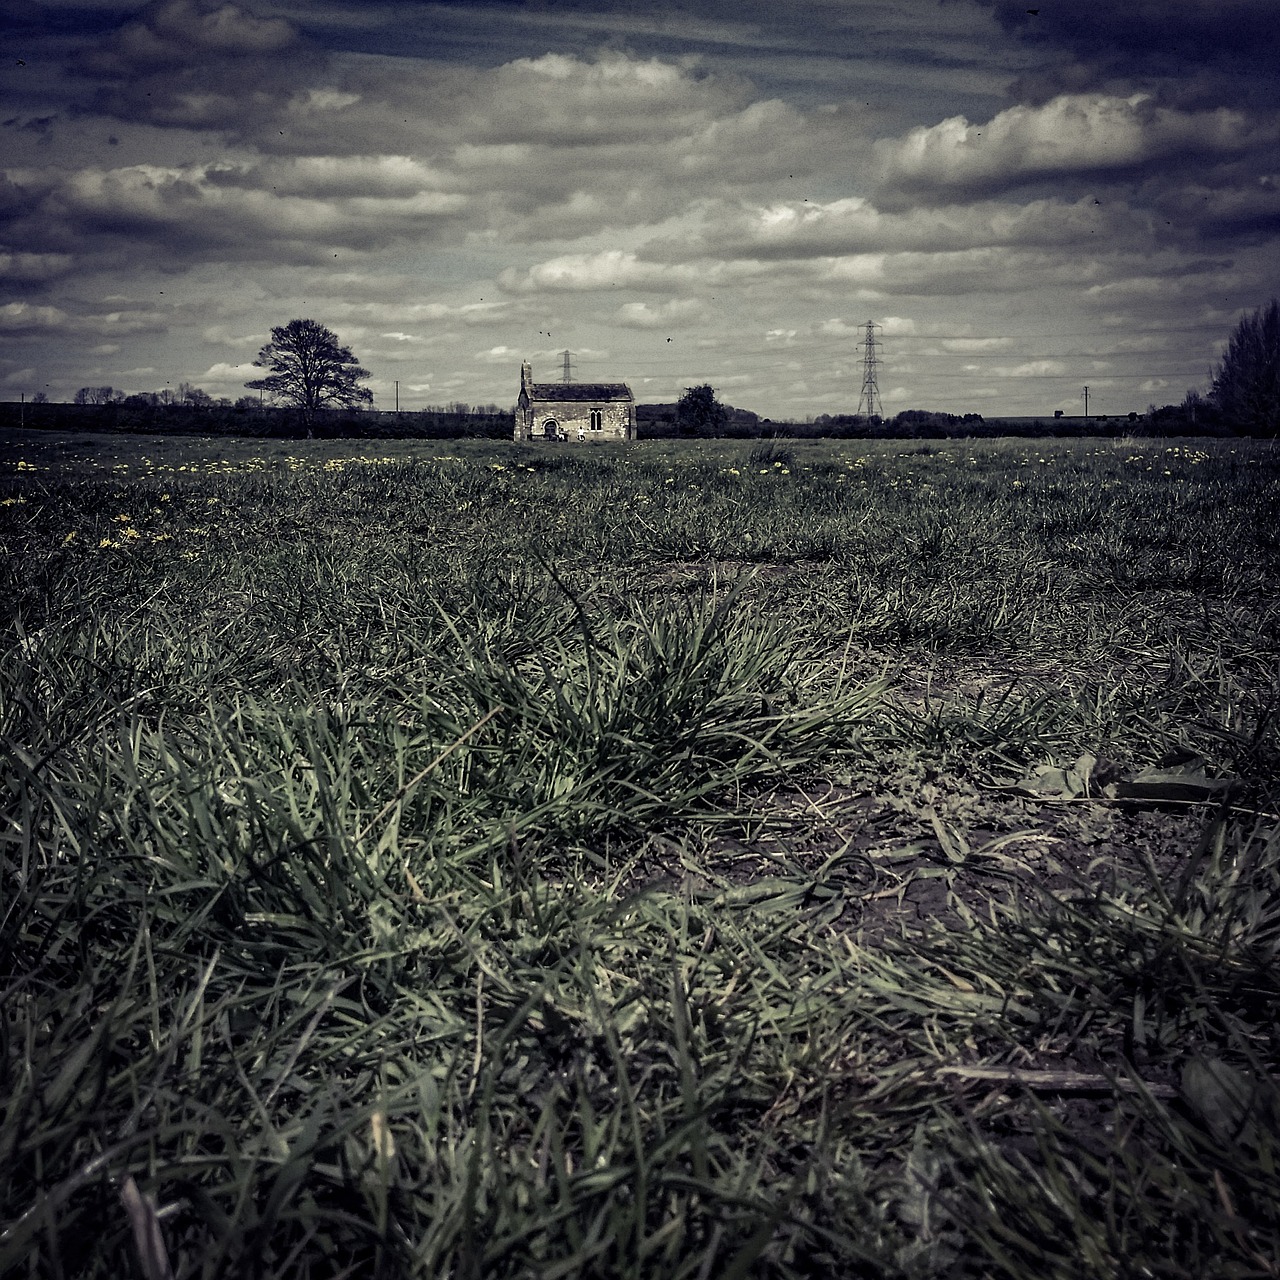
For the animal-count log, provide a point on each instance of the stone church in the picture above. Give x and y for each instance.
(586, 411)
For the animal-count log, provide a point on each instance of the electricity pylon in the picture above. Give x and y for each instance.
(870, 394)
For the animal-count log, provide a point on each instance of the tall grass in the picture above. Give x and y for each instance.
(548, 865)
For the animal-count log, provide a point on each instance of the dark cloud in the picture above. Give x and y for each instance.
(24, 319)
(1245, 211)
(170, 35)
(1141, 30)
(193, 64)
(201, 213)
(1195, 54)
(31, 124)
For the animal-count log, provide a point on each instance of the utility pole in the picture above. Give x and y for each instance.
(567, 376)
(1086, 402)
(870, 394)
(397, 395)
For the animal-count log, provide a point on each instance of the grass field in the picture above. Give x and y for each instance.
(800, 859)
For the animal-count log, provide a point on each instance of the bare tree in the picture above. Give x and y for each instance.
(98, 395)
(194, 396)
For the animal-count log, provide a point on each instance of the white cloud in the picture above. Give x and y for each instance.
(322, 100)
(853, 225)
(120, 322)
(26, 317)
(837, 328)
(223, 373)
(976, 344)
(1165, 287)
(372, 177)
(676, 313)
(19, 377)
(499, 355)
(1072, 133)
(1030, 369)
(378, 314)
(610, 269)
(34, 266)
(18, 317)
(223, 335)
(897, 326)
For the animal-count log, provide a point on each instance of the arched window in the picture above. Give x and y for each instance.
(597, 420)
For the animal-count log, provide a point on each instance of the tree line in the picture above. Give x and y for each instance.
(309, 371)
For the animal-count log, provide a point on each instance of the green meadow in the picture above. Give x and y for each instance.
(679, 860)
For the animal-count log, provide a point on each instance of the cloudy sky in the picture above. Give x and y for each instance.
(1028, 200)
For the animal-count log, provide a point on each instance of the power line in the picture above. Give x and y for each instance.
(807, 358)
(801, 363)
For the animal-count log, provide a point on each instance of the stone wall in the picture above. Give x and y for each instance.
(617, 419)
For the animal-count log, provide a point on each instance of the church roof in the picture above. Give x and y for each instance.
(580, 391)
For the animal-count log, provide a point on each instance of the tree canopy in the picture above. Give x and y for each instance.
(699, 412)
(310, 369)
(1246, 384)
